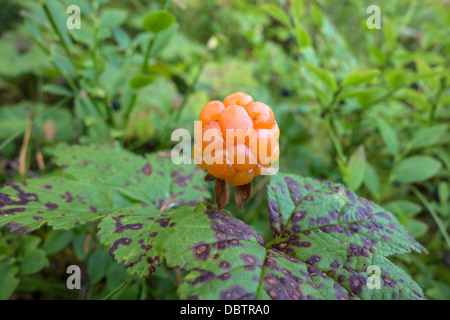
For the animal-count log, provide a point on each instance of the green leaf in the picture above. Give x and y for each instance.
(325, 76)
(417, 228)
(396, 77)
(405, 207)
(98, 179)
(377, 55)
(339, 226)
(79, 245)
(57, 240)
(162, 39)
(12, 119)
(8, 281)
(277, 13)
(429, 74)
(115, 276)
(426, 137)
(325, 239)
(389, 136)
(121, 37)
(414, 98)
(356, 169)
(98, 265)
(371, 180)
(416, 169)
(364, 96)
(57, 90)
(360, 76)
(136, 236)
(140, 81)
(226, 259)
(33, 260)
(440, 291)
(303, 38)
(112, 18)
(158, 21)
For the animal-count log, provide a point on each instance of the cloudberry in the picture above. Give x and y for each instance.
(239, 139)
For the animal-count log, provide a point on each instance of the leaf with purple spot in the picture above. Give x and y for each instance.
(98, 179)
(228, 260)
(152, 179)
(136, 236)
(340, 234)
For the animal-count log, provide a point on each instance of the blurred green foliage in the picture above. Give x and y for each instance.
(368, 108)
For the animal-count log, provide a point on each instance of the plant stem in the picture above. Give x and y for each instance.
(147, 54)
(55, 28)
(335, 140)
(169, 276)
(115, 291)
(143, 291)
(20, 131)
(190, 89)
(436, 100)
(68, 79)
(24, 149)
(433, 213)
(143, 70)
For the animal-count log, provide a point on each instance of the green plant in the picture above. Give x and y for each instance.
(366, 108)
(325, 237)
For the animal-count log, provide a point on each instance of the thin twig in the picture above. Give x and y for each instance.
(58, 32)
(42, 115)
(39, 157)
(179, 276)
(167, 203)
(115, 291)
(433, 213)
(24, 149)
(166, 271)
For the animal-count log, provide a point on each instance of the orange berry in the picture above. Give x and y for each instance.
(261, 114)
(211, 112)
(241, 178)
(265, 144)
(235, 117)
(212, 134)
(248, 150)
(198, 156)
(243, 158)
(222, 170)
(238, 98)
(276, 130)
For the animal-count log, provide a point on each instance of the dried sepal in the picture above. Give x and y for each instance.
(209, 177)
(221, 193)
(242, 193)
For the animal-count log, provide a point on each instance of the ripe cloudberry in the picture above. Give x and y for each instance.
(237, 141)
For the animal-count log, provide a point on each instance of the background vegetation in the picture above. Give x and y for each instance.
(367, 108)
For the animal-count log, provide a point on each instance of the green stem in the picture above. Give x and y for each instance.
(433, 213)
(130, 108)
(147, 54)
(190, 89)
(69, 80)
(143, 70)
(55, 27)
(436, 100)
(143, 289)
(335, 140)
(115, 291)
